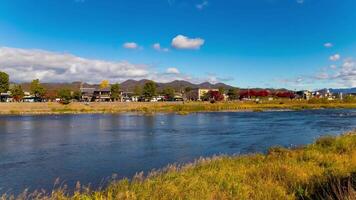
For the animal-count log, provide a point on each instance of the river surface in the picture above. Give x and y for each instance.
(35, 150)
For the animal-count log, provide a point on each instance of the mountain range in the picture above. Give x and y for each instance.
(129, 85)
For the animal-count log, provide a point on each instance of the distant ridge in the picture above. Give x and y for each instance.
(129, 85)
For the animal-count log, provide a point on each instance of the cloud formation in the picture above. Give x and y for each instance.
(335, 57)
(183, 42)
(25, 65)
(130, 45)
(328, 45)
(157, 46)
(172, 70)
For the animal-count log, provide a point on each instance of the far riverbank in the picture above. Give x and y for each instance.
(162, 107)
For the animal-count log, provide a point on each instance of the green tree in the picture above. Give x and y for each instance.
(4, 82)
(187, 89)
(168, 92)
(222, 90)
(150, 89)
(65, 95)
(77, 95)
(233, 93)
(37, 89)
(137, 90)
(17, 92)
(115, 91)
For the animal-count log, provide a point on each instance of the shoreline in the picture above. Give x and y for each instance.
(50, 108)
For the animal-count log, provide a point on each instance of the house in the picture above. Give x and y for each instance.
(87, 94)
(198, 94)
(5, 97)
(102, 94)
(30, 98)
(95, 94)
(304, 94)
(324, 93)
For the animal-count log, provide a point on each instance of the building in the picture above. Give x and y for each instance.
(95, 94)
(198, 94)
(5, 97)
(87, 94)
(304, 94)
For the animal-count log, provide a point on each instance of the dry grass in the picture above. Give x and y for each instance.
(323, 170)
(179, 107)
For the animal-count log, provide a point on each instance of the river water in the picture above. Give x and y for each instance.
(35, 150)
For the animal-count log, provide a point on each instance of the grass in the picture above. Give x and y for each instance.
(178, 107)
(323, 170)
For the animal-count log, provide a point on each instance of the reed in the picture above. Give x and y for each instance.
(178, 107)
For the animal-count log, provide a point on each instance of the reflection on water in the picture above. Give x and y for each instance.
(35, 150)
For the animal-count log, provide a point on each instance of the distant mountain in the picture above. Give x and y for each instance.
(178, 85)
(343, 90)
(129, 85)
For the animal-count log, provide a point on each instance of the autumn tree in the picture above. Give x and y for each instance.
(149, 89)
(4, 82)
(17, 92)
(37, 89)
(104, 84)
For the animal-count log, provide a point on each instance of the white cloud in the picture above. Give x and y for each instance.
(157, 46)
(300, 1)
(172, 70)
(24, 65)
(27, 64)
(130, 45)
(328, 45)
(335, 57)
(202, 5)
(183, 42)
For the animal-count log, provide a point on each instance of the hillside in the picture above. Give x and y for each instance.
(129, 85)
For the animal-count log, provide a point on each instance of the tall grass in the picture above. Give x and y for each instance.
(179, 107)
(323, 170)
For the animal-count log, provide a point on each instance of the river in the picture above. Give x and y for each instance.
(35, 150)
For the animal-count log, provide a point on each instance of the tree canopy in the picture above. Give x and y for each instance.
(150, 89)
(104, 84)
(65, 95)
(17, 92)
(168, 92)
(37, 89)
(4, 82)
(115, 91)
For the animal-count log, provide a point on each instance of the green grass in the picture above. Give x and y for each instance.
(323, 170)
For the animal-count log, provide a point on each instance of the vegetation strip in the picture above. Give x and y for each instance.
(323, 170)
(151, 107)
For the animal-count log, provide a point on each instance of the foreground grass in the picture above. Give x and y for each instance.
(179, 107)
(323, 170)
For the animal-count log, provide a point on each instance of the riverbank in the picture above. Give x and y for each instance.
(325, 169)
(150, 107)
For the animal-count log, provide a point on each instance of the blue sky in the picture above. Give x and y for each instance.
(255, 43)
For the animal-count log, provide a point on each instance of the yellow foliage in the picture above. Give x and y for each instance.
(104, 84)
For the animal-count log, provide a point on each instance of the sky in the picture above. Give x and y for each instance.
(295, 44)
